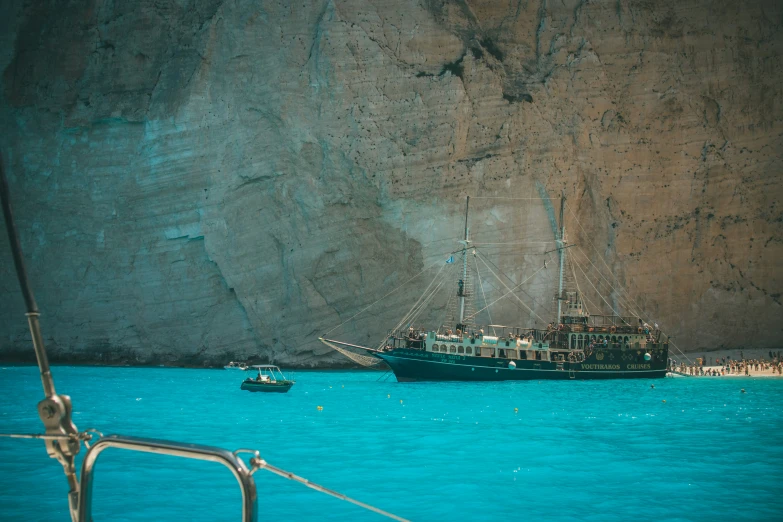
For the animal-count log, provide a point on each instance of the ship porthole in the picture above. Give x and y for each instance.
(496, 370)
(473, 369)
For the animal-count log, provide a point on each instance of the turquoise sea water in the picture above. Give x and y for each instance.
(610, 450)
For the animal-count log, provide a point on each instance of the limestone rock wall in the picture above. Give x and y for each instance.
(206, 180)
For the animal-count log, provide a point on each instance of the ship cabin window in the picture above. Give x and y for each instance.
(443, 348)
(453, 349)
(434, 347)
(625, 339)
(469, 350)
(573, 341)
(614, 340)
(460, 349)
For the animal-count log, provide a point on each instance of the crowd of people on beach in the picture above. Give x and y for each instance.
(726, 366)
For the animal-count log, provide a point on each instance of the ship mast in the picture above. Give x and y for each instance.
(463, 281)
(561, 257)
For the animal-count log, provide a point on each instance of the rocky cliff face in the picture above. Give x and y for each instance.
(205, 180)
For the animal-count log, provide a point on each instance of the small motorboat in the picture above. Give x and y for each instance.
(235, 366)
(269, 379)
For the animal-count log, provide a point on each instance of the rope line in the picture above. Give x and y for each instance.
(601, 257)
(515, 243)
(421, 297)
(505, 197)
(628, 303)
(511, 291)
(637, 309)
(622, 301)
(596, 290)
(576, 282)
(483, 294)
(382, 298)
(540, 305)
(505, 295)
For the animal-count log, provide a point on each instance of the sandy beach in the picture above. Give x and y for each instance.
(751, 373)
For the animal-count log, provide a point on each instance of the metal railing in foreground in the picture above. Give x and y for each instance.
(176, 449)
(63, 440)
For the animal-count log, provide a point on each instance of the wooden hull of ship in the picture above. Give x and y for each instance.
(417, 365)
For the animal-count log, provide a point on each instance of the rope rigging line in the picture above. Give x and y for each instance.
(382, 298)
(423, 298)
(363, 360)
(505, 197)
(514, 252)
(508, 293)
(637, 314)
(629, 298)
(485, 259)
(627, 304)
(681, 352)
(500, 289)
(600, 256)
(511, 291)
(596, 290)
(408, 313)
(483, 294)
(622, 301)
(515, 243)
(584, 296)
(421, 307)
(443, 317)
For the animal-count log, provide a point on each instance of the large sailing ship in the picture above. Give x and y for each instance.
(576, 346)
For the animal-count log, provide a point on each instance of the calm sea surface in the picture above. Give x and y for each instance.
(426, 451)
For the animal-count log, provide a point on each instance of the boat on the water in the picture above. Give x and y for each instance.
(235, 366)
(269, 379)
(575, 346)
(63, 441)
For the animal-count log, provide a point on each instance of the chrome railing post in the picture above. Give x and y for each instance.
(177, 449)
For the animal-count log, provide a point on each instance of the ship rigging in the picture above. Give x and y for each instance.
(63, 440)
(573, 345)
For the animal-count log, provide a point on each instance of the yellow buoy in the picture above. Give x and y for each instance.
(388, 396)
(664, 400)
(516, 410)
(320, 408)
(400, 401)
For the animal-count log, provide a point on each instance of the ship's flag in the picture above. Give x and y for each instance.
(450, 260)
